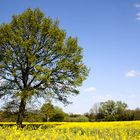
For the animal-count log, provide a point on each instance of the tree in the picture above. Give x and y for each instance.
(107, 108)
(136, 114)
(76, 118)
(38, 60)
(59, 115)
(94, 113)
(112, 110)
(120, 107)
(48, 110)
(95, 109)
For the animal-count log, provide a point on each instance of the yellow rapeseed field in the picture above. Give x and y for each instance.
(72, 131)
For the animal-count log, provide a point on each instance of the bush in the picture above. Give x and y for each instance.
(77, 119)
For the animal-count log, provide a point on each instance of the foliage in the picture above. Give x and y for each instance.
(48, 111)
(59, 115)
(33, 116)
(136, 114)
(109, 111)
(38, 60)
(80, 118)
(111, 107)
(52, 113)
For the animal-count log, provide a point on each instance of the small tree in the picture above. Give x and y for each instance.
(59, 115)
(94, 113)
(48, 111)
(9, 111)
(38, 60)
(95, 109)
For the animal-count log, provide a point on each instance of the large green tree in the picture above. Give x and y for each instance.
(38, 59)
(112, 110)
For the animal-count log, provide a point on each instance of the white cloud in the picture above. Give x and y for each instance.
(90, 90)
(137, 5)
(132, 73)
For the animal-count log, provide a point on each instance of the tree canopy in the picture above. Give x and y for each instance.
(112, 110)
(111, 107)
(39, 59)
(48, 111)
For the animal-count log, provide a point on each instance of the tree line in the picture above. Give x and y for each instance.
(112, 111)
(104, 111)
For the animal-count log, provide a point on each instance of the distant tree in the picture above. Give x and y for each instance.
(127, 115)
(137, 109)
(48, 111)
(120, 107)
(9, 111)
(107, 108)
(93, 113)
(136, 114)
(76, 118)
(120, 111)
(112, 110)
(59, 115)
(33, 116)
(95, 109)
(38, 60)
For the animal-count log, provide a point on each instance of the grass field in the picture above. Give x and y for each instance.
(72, 131)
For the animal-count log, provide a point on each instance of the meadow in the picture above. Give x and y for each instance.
(71, 131)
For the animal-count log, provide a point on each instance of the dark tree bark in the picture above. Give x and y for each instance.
(21, 113)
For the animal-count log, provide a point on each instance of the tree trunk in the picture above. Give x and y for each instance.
(21, 113)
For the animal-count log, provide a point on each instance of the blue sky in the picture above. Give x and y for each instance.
(109, 32)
